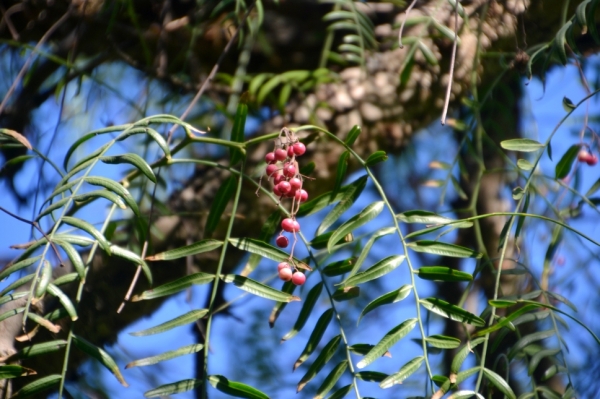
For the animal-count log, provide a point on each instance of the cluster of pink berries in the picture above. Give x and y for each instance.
(588, 158)
(282, 170)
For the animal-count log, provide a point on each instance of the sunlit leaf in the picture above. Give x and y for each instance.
(352, 135)
(64, 300)
(386, 299)
(349, 196)
(132, 257)
(499, 383)
(405, 371)
(393, 336)
(366, 215)
(442, 273)
(443, 341)
(376, 157)
(175, 286)
(522, 145)
(443, 249)
(115, 188)
(450, 311)
(379, 269)
(174, 387)
(258, 289)
(331, 379)
(265, 250)
(186, 318)
(188, 250)
(132, 159)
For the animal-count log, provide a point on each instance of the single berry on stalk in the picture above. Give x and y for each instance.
(299, 148)
(295, 183)
(270, 158)
(290, 225)
(271, 169)
(283, 265)
(290, 151)
(280, 154)
(284, 187)
(298, 278)
(289, 170)
(286, 274)
(282, 242)
(301, 195)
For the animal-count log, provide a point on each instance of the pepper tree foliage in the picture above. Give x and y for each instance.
(464, 292)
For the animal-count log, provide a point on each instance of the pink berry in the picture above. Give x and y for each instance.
(299, 148)
(592, 160)
(290, 225)
(291, 193)
(295, 183)
(280, 154)
(277, 192)
(298, 278)
(283, 265)
(284, 187)
(301, 195)
(290, 151)
(271, 169)
(282, 242)
(286, 274)
(278, 178)
(289, 170)
(270, 158)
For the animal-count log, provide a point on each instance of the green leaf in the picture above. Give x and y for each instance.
(238, 129)
(386, 299)
(425, 217)
(452, 312)
(37, 386)
(338, 268)
(147, 361)
(528, 340)
(442, 273)
(73, 255)
(538, 356)
(186, 318)
(14, 371)
(443, 249)
(348, 198)
(320, 242)
(345, 294)
(323, 200)
(64, 300)
(132, 257)
(288, 287)
(258, 289)
(266, 250)
(465, 395)
(307, 307)
(39, 349)
(175, 286)
(16, 284)
(443, 341)
(521, 145)
(366, 215)
(342, 392)
(342, 166)
(379, 269)
(331, 379)
(222, 198)
(563, 167)
(315, 337)
(405, 371)
(100, 355)
(376, 157)
(506, 321)
(90, 229)
(132, 159)
(266, 233)
(18, 266)
(352, 135)
(363, 349)
(44, 279)
(371, 376)
(559, 43)
(234, 388)
(174, 387)
(115, 188)
(427, 53)
(321, 360)
(524, 164)
(393, 336)
(85, 198)
(193, 249)
(499, 383)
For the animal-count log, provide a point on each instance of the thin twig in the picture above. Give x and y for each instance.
(403, 22)
(452, 61)
(39, 44)
(37, 226)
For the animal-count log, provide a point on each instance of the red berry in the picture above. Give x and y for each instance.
(299, 148)
(286, 274)
(278, 178)
(301, 195)
(277, 192)
(289, 170)
(271, 169)
(295, 183)
(592, 160)
(283, 265)
(290, 225)
(298, 278)
(280, 154)
(270, 157)
(290, 151)
(284, 187)
(282, 242)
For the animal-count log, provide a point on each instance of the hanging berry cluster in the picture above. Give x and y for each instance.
(283, 172)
